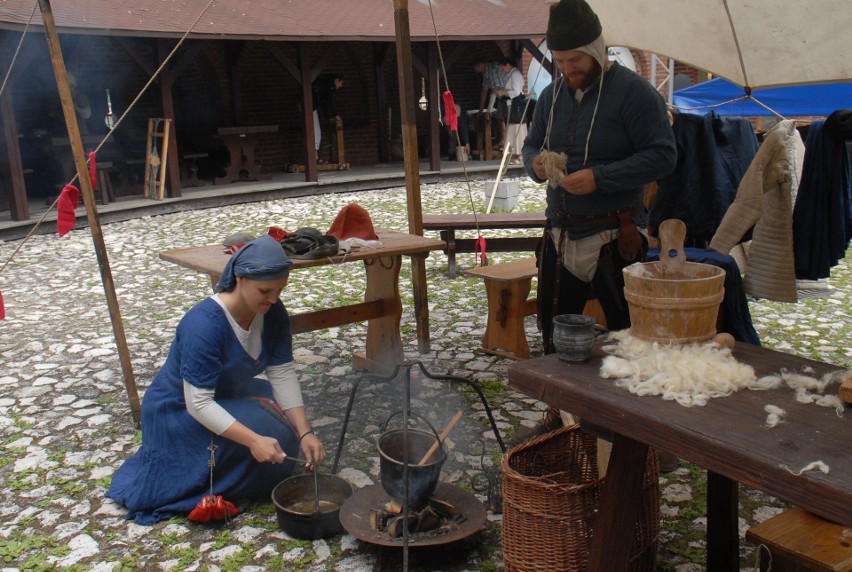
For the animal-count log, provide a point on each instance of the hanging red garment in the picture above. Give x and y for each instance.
(69, 198)
(213, 507)
(479, 248)
(452, 118)
(2, 308)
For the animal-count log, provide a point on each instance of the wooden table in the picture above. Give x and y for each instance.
(726, 437)
(241, 142)
(381, 308)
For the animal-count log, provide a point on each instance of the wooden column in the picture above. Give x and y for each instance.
(435, 103)
(311, 172)
(412, 168)
(167, 82)
(13, 174)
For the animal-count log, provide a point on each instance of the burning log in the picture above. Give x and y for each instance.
(389, 519)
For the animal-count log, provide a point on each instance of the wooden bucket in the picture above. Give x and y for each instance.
(673, 301)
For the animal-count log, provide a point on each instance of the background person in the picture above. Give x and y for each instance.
(516, 130)
(493, 79)
(323, 90)
(208, 392)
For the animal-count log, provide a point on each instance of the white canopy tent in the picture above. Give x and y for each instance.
(752, 43)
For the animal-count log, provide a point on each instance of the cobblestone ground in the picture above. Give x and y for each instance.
(65, 424)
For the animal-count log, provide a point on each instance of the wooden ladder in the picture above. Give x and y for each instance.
(156, 153)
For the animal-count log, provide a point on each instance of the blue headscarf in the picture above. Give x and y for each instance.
(261, 259)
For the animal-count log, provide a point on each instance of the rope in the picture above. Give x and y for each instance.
(112, 129)
(458, 137)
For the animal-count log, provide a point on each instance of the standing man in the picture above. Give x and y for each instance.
(493, 80)
(323, 90)
(609, 129)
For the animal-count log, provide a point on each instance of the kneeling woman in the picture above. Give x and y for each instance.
(207, 395)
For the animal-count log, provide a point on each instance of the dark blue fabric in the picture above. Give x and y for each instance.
(713, 154)
(822, 216)
(169, 473)
(736, 317)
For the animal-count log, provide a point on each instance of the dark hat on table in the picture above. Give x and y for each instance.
(572, 24)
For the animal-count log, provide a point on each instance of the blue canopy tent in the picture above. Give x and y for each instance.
(792, 101)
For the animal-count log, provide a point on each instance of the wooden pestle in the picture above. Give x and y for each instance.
(441, 438)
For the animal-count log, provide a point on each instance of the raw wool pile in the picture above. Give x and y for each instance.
(808, 388)
(554, 166)
(689, 374)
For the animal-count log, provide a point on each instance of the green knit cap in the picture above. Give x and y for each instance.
(572, 24)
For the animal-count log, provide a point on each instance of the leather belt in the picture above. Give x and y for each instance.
(574, 221)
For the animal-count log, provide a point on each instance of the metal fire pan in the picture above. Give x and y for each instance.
(355, 517)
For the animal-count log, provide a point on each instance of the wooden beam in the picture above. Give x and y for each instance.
(282, 58)
(76, 141)
(412, 167)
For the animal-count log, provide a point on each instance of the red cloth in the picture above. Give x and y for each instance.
(2, 308)
(452, 118)
(69, 198)
(479, 246)
(213, 507)
(277, 233)
(353, 221)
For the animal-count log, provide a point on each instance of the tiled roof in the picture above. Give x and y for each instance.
(301, 20)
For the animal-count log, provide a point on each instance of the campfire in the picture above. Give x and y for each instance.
(437, 517)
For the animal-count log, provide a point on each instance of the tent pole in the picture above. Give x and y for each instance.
(412, 167)
(89, 200)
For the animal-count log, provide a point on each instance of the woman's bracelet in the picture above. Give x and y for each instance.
(305, 434)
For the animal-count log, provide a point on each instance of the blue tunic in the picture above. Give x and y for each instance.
(169, 473)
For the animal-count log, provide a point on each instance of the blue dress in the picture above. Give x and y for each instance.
(170, 473)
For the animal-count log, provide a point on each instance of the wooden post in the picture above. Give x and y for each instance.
(412, 168)
(89, 200)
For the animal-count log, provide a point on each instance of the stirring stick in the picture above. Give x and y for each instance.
(440, 440)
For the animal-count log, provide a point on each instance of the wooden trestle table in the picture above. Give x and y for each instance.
(381, 308)
(726, 437)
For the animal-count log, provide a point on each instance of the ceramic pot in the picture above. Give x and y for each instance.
(573, 337)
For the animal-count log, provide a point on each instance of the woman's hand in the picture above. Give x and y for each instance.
(312, 448)
(266, 450)
(580, 182)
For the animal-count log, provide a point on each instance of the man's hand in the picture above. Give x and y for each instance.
(580, 182)
(538, 167)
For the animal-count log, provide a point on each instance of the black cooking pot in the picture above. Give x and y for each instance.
(294, 500)
(422, 479)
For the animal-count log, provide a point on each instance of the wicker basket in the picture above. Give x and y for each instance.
(551, 493)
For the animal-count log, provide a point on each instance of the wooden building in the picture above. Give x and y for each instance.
(235, 69)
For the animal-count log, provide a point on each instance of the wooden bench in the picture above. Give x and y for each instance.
(798, 541)
(448, 224)
(507, 287)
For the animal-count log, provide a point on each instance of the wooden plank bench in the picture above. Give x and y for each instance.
(507, 287)
(798, 541)
(448, 224)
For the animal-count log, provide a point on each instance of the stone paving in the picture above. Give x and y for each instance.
(65, 425)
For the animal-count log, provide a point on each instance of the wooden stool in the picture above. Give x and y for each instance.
(798, 541)
(507, 287)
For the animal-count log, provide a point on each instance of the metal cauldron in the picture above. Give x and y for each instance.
(422, 479)
(296, 498)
